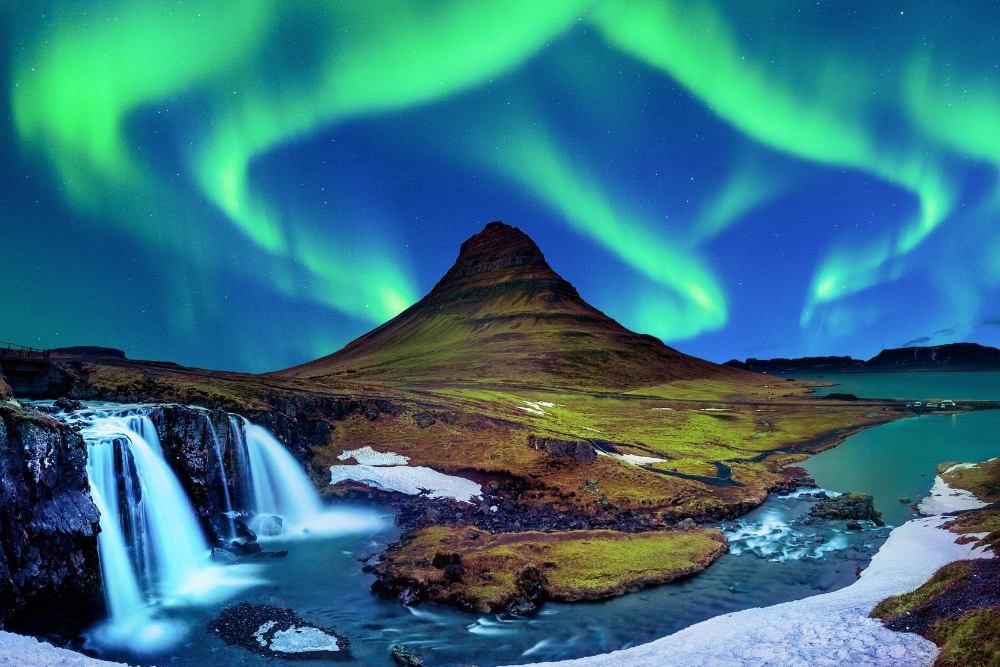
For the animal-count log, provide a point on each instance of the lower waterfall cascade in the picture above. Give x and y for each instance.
(153, 551)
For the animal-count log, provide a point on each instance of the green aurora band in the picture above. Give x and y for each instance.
(78, 83)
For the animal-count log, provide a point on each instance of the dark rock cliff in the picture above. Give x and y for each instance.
(48, 522)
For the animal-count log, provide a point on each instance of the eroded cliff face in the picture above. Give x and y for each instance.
(5, 392)
(48, 521)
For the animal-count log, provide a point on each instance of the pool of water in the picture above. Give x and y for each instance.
(921, 385)
(897, 460)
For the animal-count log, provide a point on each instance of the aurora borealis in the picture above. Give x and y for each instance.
(248, 185)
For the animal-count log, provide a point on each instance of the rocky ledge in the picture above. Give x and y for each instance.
(48, 521)
(851, 506)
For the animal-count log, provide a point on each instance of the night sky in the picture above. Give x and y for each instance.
(251, 184)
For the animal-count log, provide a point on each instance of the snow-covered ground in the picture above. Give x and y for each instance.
(828, 629)
(944, 499)
(411, 480)
(369, 457)
(18, 651)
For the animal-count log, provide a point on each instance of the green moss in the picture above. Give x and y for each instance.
(578, 565)
(981, 521)
(592, 568)
(942, 579)
(971, 640)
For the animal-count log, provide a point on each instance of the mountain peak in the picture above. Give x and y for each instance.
(500, 254)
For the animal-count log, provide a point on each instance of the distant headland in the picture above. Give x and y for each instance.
(952, 357)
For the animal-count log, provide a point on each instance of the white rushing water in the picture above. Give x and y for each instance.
(154, 555)
(280, 487)
(152, 550)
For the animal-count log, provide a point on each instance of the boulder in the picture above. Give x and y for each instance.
(406, 657)
(856, 506)
(584, 452)
(224, 557)
(268, 525)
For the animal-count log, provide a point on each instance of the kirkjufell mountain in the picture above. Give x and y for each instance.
(502, 314)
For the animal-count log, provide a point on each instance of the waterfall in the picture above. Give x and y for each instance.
(152, 550)
(226, 495)
(280, 487)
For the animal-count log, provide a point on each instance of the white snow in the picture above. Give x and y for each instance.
(369, 457)
(828, 629)
(669, 409)
(262, 630)
(944, 499)
(20, 651)
(409, 480)
(715, 409)
(634, 459)
(536, 407)
(302, 640)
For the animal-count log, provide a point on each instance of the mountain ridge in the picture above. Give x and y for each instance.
(949, 357)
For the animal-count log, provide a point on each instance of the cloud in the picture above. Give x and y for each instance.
(991, 322)
(917, 341)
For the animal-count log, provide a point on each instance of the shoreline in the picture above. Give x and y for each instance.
(826, 629)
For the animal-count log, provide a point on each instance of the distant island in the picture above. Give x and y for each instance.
(952, 357)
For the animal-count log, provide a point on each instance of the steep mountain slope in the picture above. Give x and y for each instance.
(502, 315)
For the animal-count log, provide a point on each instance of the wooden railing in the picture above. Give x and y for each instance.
(22, 353)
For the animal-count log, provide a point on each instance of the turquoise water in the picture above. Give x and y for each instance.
(897, 460)
(943, 386)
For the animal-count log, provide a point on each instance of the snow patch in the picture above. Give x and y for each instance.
(715, 409)
(412, 481)
(29, 652)
(634, 459)
(666, 409)
(369, 457)
(303, 640)
(262, 630)
(944, 499)
(536, 407)
(828, 629)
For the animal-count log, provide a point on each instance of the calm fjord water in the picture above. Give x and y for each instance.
(897, 460)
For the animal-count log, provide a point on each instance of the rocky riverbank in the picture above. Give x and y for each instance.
(48, 521)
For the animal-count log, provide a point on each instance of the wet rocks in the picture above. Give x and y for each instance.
(224, 557)
(48, 521)
(851, 506)
(275, 632)
(268, 525)
(406, 657)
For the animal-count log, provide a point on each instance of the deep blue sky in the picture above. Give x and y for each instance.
(251, 185)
